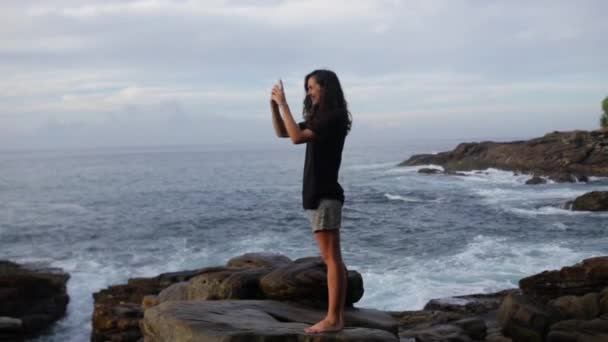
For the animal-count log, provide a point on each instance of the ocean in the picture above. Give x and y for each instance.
(108, 214)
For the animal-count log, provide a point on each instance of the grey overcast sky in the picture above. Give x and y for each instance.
(155, 72)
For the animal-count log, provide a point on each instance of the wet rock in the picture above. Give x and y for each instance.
(562, 177)
(536, 180)
(429, 171)
(32, 297)
(591, 201)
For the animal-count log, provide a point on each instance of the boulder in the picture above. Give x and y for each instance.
(470, 304)
(455, 173)
(32, 297)
(536, 180)
(591, 201)
(577, 307)
(259, 320)
(258, 260)
(227, 283)
(305, 280)
(524, 319)
(429, 171)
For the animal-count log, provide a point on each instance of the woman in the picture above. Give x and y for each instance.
(325, 126)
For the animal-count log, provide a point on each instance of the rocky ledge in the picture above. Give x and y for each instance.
(570, 304)
(560, 156)
(32, 297)
(252, 276)
(258, 320)
(268, 297)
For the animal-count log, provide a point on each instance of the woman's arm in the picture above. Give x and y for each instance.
(277, 121)
(297, 135)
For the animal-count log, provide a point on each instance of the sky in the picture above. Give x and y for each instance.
(159, 72)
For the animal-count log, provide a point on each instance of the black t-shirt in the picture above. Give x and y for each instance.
(323, 158)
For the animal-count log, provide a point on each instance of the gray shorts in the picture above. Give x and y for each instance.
(327, 216)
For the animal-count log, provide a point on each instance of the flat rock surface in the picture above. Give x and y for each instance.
(259, 320)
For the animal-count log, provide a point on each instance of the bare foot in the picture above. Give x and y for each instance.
(325, 326)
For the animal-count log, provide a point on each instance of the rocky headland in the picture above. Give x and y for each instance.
(560, 156)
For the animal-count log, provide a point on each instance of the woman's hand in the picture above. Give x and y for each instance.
(278, 94)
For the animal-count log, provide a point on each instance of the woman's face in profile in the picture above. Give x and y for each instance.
(314, 90)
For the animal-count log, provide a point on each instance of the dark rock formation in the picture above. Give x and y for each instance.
(32, 297)
(570, 304)
(579, 330)
(536, 180)
(524, 319)
(591, 201)
(562, 156)
(264, 297)
(470, 304)
(119, 308)
(461, 318)
(429, 171)
(590, 275)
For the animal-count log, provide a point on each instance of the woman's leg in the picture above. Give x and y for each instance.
(329, 244)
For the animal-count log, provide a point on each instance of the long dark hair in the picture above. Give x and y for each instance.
(332, 99)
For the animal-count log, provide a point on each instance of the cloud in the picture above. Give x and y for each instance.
(273, 13)
(77, 63)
